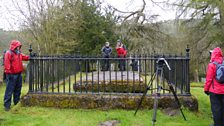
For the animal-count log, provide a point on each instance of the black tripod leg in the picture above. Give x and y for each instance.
(139, 104)
(155, 106)
(145, 92)
(177, 100)
(157, 95)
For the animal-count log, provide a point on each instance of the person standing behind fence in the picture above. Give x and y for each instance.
(215, 89)
(106, 51)
(13, 67)
(121, 53)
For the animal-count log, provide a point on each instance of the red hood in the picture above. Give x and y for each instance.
(14, 44)
(216, 55)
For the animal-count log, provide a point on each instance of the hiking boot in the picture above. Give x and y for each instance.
(7, 109)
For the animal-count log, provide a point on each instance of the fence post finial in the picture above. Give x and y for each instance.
(187, 51)
(187, 70)
(30, 50)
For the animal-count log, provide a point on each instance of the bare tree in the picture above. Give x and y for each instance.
(35, 17)
(140, 28)
(204, 22)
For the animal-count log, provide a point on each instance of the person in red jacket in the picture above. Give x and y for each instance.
(214, 89)
(13, 67)
(121, 53)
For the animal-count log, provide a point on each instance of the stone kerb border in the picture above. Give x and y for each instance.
(102, 101)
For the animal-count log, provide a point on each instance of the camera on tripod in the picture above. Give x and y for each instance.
(159, 77)
(162, 61)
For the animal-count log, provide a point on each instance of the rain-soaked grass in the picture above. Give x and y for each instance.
(39, 116)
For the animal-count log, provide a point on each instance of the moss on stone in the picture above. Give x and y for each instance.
(93, 101)
(113, 86)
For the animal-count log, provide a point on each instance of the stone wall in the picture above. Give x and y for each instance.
(113, 86)
(98, 101)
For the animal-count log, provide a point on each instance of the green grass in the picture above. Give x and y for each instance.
(197, 84)
(38, 116)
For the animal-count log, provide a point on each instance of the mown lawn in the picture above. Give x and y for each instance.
(37, 116)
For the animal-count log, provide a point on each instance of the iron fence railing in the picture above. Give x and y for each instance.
(78, 74)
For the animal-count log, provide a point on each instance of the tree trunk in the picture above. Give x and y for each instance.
(196, 78)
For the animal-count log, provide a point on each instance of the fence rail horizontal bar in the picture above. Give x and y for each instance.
(129, 75)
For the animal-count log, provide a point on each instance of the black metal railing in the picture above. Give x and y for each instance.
(79, 74)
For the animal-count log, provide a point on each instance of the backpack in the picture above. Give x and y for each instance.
(3, 58)
(219, 72)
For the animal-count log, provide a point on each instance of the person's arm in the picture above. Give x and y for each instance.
(110, 51)
(210, 75)
(125, 52)
(102, 50)
(118, 51)
(25, 57)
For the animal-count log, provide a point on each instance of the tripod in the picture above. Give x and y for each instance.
(159, 78)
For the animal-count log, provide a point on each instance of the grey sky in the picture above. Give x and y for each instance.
(151, 9)
(11, 21)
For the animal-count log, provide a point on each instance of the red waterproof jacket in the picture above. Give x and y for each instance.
(121, 52)
(12, 61)
(211, 84)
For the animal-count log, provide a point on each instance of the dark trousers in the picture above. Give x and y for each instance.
(122, 64)
(13, 87)
(106, 63)
(217, 106)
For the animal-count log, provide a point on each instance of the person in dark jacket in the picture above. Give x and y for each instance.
(106, 51)
(13, 67)
(214, 89)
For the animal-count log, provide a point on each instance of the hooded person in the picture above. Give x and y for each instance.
(13, 68)
(121, 53)
(214, 89)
